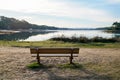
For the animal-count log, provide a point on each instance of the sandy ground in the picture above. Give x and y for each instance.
(13, 62)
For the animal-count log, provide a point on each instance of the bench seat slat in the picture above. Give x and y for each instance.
(54, 50)
(55, 55)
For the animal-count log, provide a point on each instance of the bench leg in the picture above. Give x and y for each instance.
(38, 59)
(71, 60)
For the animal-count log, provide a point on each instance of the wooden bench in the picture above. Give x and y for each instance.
(54, 52)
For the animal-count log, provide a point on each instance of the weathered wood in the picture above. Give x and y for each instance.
(54, 50)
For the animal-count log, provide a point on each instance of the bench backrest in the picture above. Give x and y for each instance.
(54, 50)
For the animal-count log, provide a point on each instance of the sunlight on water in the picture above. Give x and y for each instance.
(70, 33)
(45, 35)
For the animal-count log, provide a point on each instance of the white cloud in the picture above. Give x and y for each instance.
(29, 5)
(59, 9)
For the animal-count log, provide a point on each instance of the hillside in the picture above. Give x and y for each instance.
(15, 24)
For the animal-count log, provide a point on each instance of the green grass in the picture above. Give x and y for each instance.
(35, 66)
(51, 43)
(70, 66)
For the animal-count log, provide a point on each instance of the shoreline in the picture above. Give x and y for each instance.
(8, 31)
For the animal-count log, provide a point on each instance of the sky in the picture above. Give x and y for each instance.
(63, 13)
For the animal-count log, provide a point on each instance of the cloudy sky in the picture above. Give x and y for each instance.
(63, 13)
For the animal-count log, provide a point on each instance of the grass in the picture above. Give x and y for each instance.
(35, 66)
(107, 71)
(95, 65)
(112, 69)
(51, 43)
(70, 66)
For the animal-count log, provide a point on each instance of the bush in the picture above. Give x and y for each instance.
(83, 39)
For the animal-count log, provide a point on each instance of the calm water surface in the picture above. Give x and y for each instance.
(45, 35)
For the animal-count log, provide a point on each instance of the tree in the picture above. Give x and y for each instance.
(116, 26)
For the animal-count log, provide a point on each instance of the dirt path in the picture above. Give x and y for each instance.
(13, 63)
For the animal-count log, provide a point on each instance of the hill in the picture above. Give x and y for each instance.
(15, 24)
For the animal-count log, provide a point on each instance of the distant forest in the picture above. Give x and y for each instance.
(15, 24)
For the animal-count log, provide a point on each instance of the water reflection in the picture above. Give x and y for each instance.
(22, 35)
(45, 35)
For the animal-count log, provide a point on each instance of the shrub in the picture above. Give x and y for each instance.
(83, 39)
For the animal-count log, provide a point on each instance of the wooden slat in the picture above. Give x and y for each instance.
(55, 55)
(57, 50)
(54, 50)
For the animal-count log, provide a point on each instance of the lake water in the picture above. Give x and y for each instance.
(45, 35)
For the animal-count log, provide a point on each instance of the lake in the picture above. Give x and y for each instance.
(45, 35)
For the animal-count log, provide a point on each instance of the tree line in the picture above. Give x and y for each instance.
(15, 24)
